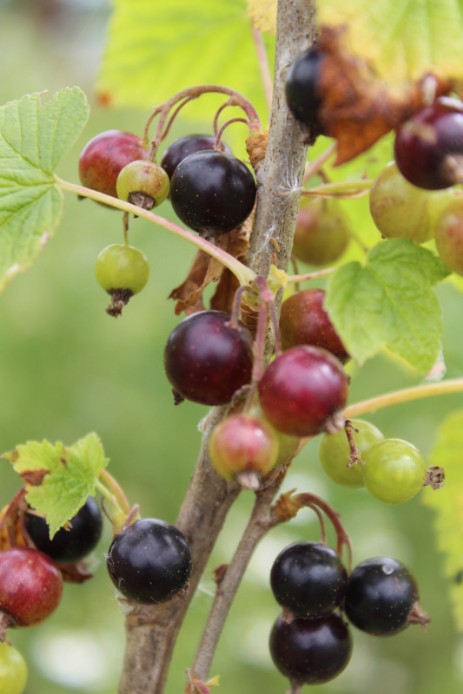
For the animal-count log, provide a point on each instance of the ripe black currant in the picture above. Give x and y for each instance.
(311, 651)
(309, 579)
(206, 360)
(428, 148)
(380, 595)
(302, 88)
(212, 192)
(71, 544)
(149, 562)
(178, 150)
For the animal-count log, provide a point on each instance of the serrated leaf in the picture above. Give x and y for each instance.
(69, 476)
(156, 49)
(389, 302)
(35, 131)
(447, 503)
(404, 40)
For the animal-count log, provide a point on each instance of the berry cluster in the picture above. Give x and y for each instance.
(310, 643)
(31, 579)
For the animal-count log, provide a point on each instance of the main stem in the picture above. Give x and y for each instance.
(152, 631)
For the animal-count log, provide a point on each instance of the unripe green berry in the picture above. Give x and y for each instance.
(122, 271)
(143, 183)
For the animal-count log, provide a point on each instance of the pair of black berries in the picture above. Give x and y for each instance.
(310, 643)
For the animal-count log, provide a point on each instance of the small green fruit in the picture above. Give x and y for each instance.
(122, 271)
(143, 183)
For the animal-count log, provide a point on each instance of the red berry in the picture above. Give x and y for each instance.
(302, 390)
(322, 231)
(30, 585)
(304, 321)
(243, 444)
(105, 155)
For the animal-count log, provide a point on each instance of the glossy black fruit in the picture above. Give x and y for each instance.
(206, 360)
(311, 651)
(212, 192)
(380, 595)
(179, 149)
(309, 579)
(302, 88)
(68, 545)
(149, 562)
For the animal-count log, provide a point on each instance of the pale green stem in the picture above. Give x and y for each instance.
(339, 189)
(306, 277)
(398, 397)
(243, 273)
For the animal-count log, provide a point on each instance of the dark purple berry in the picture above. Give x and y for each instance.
(302, 88)
(149, 562)
(212, 192)
(178, 150)
(428, 148)
(380, 595)
(72, 544)
(308, 579)
(311, 651)
(206, 360)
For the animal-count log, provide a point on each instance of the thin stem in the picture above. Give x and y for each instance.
(340, 189)
(243, 273)
(264, 66)
(223, 127)
(313, 168)
(397, 397)
(261, 521)
(307, 276)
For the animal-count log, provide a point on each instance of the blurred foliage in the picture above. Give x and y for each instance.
(66, 368)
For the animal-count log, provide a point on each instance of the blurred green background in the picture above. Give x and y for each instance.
(66, 368)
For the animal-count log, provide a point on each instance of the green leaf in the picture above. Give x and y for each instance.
(404, 40)
(447, 503)
(69, 476)
(389, 303)
(156, 49)
(35, 132)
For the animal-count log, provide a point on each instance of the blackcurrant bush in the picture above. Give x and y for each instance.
(304, 321)
(212, 192)
(302, 390)
(178, 150)
(70, 544)
(149, 561)
(311, 651)
(105, 155)
(30, 585)
(335, 453)
(393, 470)
(308, 579)
(449, 236)
(428, 148)
(143, 183)
(302, 88)
(241, 445)
(206, 359)
(380, 595)
(322, 232)
(13, 670)
(122, 271)
(400, 209)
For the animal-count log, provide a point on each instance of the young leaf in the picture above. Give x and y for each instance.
(389, 302)
(403, 40)
(148, 54)
(448, 506)
(35, 131)
(63, 477)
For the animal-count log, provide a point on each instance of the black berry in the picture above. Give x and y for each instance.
(302, 88)
(178, 150)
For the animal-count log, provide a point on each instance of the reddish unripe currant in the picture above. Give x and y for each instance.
(302, 391)
(143, 183)
(206, 359)
(243, 444)
(304, 321)
(449, 236)
(30, 585)
(322, 232)
(428, 148)
(105, 155)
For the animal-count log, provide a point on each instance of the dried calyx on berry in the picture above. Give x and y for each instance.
(122, 271)
(143, 183)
